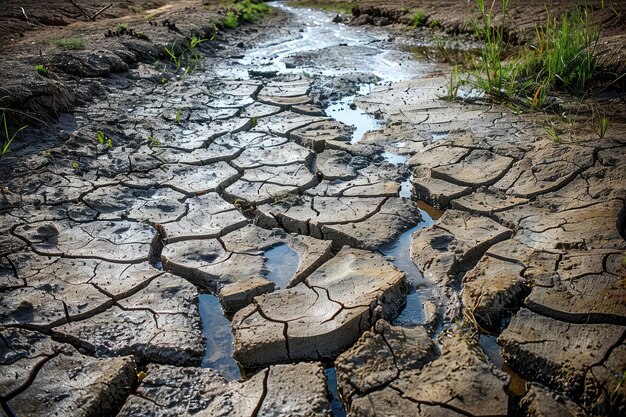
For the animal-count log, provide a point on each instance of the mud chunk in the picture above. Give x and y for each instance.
(453, 244)
(556, 353)
(323, 315)
(540, 402)
(277, 391)
(64, 381)
(379, 356)
(477, 169)
(491, 288)
(461, 381)
(159, 323)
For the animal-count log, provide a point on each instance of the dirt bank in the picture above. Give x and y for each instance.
(74, 52)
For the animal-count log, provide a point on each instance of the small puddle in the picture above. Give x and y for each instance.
(281, 264)
(440, 135)
(406, 189)
(219, 339)
(491, 348)
(394, 158)
(346, 112)
(399, 255)
(336, 403)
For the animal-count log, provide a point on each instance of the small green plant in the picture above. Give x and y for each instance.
(453, 86)
(254, 121)
(173, 56)
(75, 165)
(231, 21)
(142, 35)
(101, 137)
(109, 143)
(435, 24)
(153, 141)
(563, 57)
(418, 18)
(194, 42)
(122, 27)
(136, 9)
(178, 115)
(41, 69)
(604, 127)
(69, 43)
(8, 136)
(553, 134)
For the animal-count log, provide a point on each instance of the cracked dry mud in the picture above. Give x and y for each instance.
(105, 251)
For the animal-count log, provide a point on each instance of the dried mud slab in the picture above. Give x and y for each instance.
(461, 381)
(362, 222)
(233, 267)
(540, 402)
(556, 353)
(160, 323)
(42, 377)
(491, 289)
(322, 316)
(379, 356)
(276, 391)
(455, 242)
(120, 241)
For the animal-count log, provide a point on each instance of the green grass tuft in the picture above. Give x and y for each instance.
(69, 43)
(418, 18)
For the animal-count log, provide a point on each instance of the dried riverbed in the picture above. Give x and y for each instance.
(264, 252)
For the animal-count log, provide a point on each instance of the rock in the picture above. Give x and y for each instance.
(277, 391)
(322, 316)
(553, 352)
(540, 402)
(379, 356)
(48, 378)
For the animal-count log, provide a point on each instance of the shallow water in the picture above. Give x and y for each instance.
(399, 255)
(331, 380)
(219, 339)
(281, 265)
(347, 113)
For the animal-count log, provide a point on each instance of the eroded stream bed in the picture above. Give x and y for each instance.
(280, 191)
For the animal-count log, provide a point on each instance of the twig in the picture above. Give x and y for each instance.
(24, 13)
(80, 8)
(100, 11)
